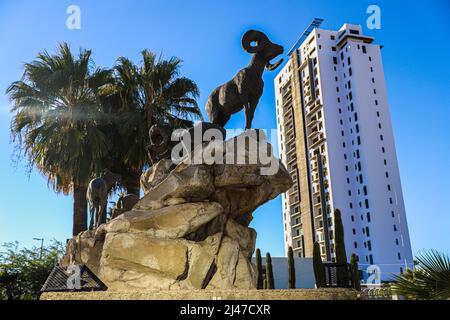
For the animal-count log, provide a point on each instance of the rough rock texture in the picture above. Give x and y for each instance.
(191, 229)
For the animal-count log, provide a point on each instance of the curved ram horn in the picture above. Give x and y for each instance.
(252, 36)
(158, 136)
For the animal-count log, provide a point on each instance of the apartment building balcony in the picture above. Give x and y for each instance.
(313, 133)
(294, 201)
(296, 225)
(312, 122)
(290, 148)
(287, 101)
(289, 129)
(288, 118)
(296, 237)
(295, 214)
(292, 168)
(316, 141)
(307, 91)
(293, 192)
(316, 106)
(290, 139)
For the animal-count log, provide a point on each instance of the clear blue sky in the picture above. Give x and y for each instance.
(206, 35)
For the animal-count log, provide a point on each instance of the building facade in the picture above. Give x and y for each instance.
(336, 139)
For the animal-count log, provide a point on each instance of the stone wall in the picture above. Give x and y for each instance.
(302, 294)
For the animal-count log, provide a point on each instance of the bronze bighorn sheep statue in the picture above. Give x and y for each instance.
(246, 88)
(97, 196)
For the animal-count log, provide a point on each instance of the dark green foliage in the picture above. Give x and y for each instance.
(429, 281)
(23, 272)
(319, 271)
(355, 272)
(269, 272)
(341, 255)
(72, 120)
(291, 268)
(260, 284)
(141, 95)
(339, 243)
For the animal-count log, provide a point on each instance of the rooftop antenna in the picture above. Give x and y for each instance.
(314, 24)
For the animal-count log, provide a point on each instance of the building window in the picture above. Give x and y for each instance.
(364, 49)
(367, 203)
(335, 60)
(368, 217)
(395, 228)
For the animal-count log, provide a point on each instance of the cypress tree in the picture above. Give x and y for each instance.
(339, 242)
(269, 272)
(260, 283)
(291, 268)
(319, 271)
(339, 245)
(355, 272)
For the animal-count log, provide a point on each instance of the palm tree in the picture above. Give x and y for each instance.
(429, 281)
(140, 96)
(56, 122)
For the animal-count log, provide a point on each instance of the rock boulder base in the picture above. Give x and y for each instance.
(191, 229)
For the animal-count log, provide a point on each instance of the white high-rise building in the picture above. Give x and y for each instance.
(336, 139)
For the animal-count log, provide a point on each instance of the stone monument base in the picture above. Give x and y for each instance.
(299, 294)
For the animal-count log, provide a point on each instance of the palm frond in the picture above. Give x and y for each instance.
(429, 281)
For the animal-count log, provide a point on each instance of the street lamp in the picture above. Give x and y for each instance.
(42, 245)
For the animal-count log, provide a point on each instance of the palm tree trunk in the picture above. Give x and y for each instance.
(79, 210)
(133, 183)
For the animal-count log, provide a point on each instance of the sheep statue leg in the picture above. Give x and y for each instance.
(92, 215)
